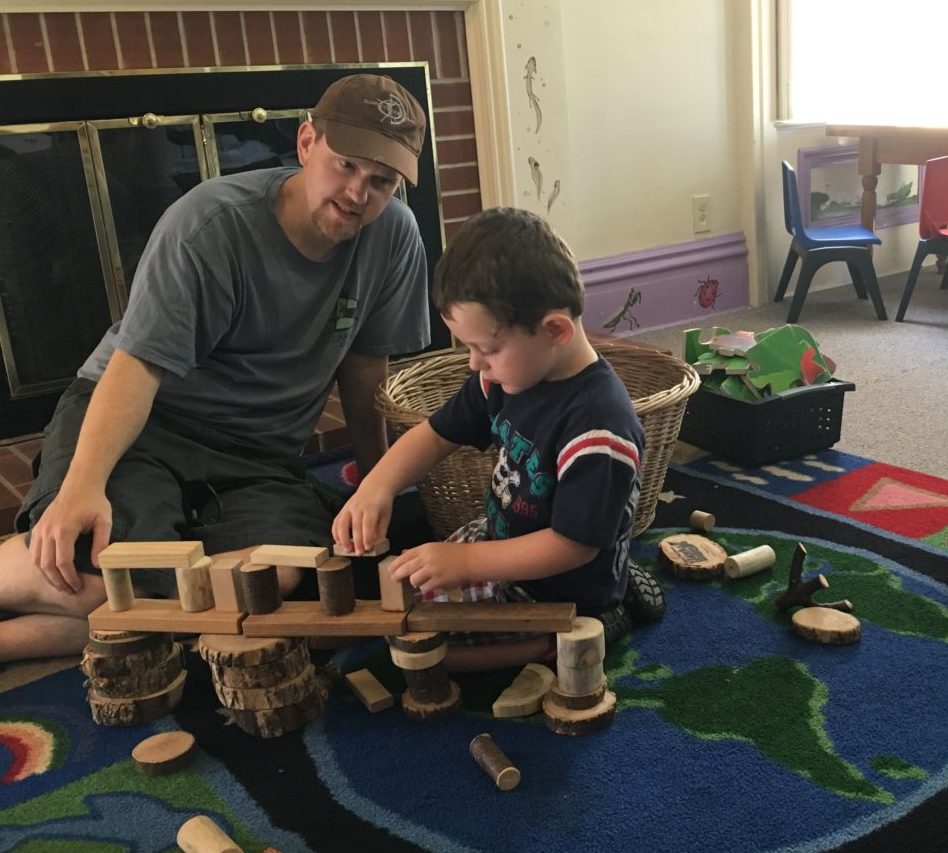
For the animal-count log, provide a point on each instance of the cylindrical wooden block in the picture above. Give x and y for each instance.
(702, 521)
(261, 588)
(194, 586)
(578, 681)
(336, 587)
(201, 835)
(584, 645)
(118, 589)
(108, 711)
(494, 763)
(428, 686)
(418, 660)
(750, 562)
(418, 641)
(132, 681)
(826, 625)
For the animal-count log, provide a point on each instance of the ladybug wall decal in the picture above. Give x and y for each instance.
(707, 292)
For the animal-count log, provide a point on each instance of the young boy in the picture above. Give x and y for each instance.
(562, 497)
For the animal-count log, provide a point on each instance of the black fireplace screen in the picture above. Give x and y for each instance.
(88, 163)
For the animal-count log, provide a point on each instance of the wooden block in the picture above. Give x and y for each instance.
(194, 586)
(541, 617)
(120, 644)
(420, 710)
(380, 549)
(156, 614)
(108, 711)
(150, 555)
(579, 681)
(525, 694)
(418, 641)
(688, 555)
(566, 721)
(201, 835)
(267, 698)
(306, 619)
(300, 556)
(165, 753)
(225, 584)
(336, 586)
(261, 587)
(396, 595)
(240, 651)
(118, 589)
(265, 674)
(583, 645)
(703, 521)
(750, 562)
(418, 660)
(494, 763)
(826, 625)
(137, 680)
(370, 691)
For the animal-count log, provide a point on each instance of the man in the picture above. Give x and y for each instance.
(254, 293)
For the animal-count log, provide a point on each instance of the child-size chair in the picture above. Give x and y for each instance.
(932, 225)
(818, 246)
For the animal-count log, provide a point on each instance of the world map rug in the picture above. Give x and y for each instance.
(732, 733)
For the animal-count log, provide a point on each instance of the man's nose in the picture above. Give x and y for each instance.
(358, 189)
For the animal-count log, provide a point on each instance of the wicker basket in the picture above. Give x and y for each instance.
(453, 492)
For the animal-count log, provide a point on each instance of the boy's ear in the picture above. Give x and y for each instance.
(559, 326)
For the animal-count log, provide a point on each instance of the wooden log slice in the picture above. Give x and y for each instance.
(131, 712)
(239, 650)
(579, 681)
(577, 703)
(165, 753)
(584, 645)
(120, 643)
(418, 660)
(428, 686)
(268, 698)
(142, 681)
(566, 721)
(430, 710)
(336, 586)
(261, 588)
(418, 641)
(96, 665)
(280, 721)
(525, 694)
(267, 674)
(688, 555)
(826, 625)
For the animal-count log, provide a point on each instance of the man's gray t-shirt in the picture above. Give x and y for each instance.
(249, 331)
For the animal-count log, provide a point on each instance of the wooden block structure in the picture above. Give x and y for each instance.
(268, 685)
(579, 702)
(430, 692)
(132, 677)
(117, 559)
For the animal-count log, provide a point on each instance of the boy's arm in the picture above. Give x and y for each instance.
(441, 565)
(366, 515)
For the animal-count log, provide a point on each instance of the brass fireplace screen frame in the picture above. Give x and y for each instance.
(89, 136)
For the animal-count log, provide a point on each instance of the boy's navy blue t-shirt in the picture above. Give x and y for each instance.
(569, 460)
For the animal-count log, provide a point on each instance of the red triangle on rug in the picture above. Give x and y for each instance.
(893, 494)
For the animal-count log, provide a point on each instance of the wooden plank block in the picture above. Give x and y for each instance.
(225, 583)
(379, 549)
(370, 690)
(159, 614)
(540, 616)
(396, 595)
(151, 555)
(300, 556)
(306, 619)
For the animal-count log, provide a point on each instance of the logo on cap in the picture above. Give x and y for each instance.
(392, 109)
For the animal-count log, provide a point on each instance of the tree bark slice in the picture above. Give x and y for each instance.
(418, 641)
(241, 651)
(130, 712)
(141, 680)
(111, 665)
(688, 555)
(264, 674)
(494, 763)
(525, 694)
(336, 587)
(268, 698)
(280, 721)
(428, 686)
(577, 703)
(121, 643)
(827, 626)
(579, 722)
(430, 710)
(165, 753)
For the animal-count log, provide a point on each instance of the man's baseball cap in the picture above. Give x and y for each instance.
(373, 117)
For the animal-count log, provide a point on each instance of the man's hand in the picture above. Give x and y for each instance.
(435, 565)
(53, 539)
(363, 520)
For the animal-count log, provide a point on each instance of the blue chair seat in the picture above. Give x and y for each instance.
(818, 246)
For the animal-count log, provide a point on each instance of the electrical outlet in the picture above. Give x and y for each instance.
(701, 213)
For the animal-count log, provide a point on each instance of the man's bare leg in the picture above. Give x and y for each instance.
(48, 622)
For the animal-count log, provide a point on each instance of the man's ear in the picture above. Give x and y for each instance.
(559, 326)
(306, 137)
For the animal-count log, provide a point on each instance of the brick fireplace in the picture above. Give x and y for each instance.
(63, 42)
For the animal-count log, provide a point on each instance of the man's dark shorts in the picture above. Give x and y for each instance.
(184, 480)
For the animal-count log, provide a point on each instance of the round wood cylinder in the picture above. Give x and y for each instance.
(418, 641)
(580, 681)
(145, 676)
(164, 753)
(239, 651)
(703, 521)
(336, 586)
(120, 644)
(750, 562)
(826, 625)
(194, 586)
(118, 589)
(494, 763)
(428, 686)
(261, 588)
(584, 645)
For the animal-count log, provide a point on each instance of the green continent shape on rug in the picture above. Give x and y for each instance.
(876, 592)
(773, 703)
(87, 813)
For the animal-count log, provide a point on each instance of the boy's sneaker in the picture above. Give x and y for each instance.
(644, 597)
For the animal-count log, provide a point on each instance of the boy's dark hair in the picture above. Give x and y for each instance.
(513, 263)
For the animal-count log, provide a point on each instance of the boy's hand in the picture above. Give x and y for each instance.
(435, 565)
(363, 520)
